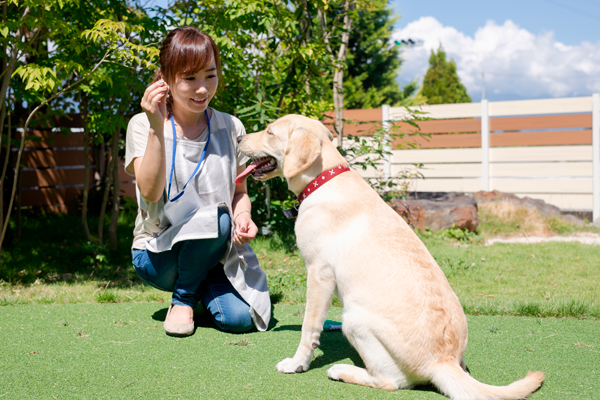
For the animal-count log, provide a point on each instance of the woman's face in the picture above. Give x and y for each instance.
(192, 93)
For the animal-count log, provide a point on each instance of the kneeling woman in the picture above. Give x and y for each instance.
(193, 225)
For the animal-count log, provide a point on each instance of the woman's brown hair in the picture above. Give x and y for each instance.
(185, 51)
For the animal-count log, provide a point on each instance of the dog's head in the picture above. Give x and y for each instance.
(288, 146)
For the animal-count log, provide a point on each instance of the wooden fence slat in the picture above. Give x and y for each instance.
(541, 122)
(551, 138)
(51, 177)
(47, 139)
(53, 158)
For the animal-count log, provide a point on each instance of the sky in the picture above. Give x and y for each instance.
(506, 50)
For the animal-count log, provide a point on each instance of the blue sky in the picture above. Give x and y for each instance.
(515, 49)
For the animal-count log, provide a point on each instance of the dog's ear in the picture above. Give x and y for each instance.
(326, 131)
(303, 148)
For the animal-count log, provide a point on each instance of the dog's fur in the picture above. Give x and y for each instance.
(399, 310)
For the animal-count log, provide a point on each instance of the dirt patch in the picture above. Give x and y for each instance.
(514, 219)
(581, 237)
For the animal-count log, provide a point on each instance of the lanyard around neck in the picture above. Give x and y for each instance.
(173, 161)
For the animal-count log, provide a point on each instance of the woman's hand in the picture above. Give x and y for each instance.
(245, 228)
(154, 103)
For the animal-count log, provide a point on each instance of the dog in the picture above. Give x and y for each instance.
(400, 312)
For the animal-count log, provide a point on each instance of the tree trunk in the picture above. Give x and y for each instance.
(4, 169)
(338, 77)
(18, 207)
(86, 176)
(107, 182)
(112, 229)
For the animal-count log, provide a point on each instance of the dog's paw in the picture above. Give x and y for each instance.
(335, 372)
(291, 366)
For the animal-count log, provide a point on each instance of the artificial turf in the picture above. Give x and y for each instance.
(120, 351)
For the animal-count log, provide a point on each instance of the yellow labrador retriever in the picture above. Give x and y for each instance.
(399, 310)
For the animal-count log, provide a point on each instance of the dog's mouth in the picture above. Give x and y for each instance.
(258, 169)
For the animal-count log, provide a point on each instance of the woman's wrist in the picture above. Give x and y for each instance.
(238, 214)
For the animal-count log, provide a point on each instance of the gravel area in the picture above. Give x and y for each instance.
(581, 237)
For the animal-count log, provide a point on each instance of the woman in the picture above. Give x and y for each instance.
(193, 225)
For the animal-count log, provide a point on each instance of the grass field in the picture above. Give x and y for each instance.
(119, 351)
(77, 323)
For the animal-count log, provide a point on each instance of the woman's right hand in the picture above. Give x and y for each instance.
(154, 103)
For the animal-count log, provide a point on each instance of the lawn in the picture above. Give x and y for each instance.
(76, 322)
(119, 351)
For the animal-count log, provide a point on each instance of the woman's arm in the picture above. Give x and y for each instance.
(245, 228)
(150, 169)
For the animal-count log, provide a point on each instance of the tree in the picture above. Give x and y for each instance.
(441, 84)
(44, 75)
(373, 64)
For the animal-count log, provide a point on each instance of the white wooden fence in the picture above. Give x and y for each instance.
(567, 176)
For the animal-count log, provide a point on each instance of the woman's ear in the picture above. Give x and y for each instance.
(303, 148)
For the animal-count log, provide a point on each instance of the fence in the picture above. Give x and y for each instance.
(53, 171)
(546, 149)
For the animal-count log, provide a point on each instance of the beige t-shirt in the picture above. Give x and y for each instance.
(150, 219)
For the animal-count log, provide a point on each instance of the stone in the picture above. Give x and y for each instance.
(545, 209)
(438, 210)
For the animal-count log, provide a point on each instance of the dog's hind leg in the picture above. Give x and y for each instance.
(381, 370)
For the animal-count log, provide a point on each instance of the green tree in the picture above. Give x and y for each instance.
(373, 64)
(441, 84)
(55, 59)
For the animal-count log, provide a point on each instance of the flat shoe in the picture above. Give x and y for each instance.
(176, 328)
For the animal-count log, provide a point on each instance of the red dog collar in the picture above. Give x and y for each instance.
(314, 185)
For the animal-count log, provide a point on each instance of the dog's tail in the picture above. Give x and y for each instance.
(457, 384)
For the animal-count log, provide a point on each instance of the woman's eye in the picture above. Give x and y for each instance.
(212, 76)
(191, 78)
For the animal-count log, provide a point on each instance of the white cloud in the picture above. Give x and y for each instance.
(517, 64)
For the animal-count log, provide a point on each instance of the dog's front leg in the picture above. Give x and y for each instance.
(320, 287)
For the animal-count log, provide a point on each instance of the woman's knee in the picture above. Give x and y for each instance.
(227, 308)
(237, 320)
(149, 269)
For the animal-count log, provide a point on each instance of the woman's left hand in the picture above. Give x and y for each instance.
(245, 229)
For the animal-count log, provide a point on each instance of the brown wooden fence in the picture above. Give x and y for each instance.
(550, 130)
(53, 171)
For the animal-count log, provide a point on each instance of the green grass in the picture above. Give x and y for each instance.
(549, 280)
(120, 351)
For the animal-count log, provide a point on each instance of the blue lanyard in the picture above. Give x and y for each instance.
(173, 161)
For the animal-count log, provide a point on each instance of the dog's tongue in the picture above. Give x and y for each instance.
(242, 177)
(253, 165)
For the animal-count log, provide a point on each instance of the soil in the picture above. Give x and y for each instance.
(581, 237)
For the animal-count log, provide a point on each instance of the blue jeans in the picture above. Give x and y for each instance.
(192, 271)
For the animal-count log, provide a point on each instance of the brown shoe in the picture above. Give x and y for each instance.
(177, 328)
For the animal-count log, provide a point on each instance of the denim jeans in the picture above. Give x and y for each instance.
(192, 271)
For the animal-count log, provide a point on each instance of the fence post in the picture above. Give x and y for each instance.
(596, 156)
(387, 163)
(485, 146)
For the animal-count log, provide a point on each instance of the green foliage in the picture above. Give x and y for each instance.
(441, 84)
(453, 234)
(370, 152)
(373, 63)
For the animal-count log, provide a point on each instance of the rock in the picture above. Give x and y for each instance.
(573, 220)
(438, 210)
(545, 209)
